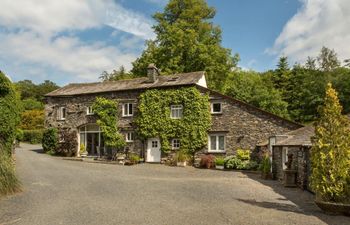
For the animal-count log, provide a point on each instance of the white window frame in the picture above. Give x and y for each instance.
(175, 143)
(89, 110)
(212, 108)
(130, 137)
(176, 111)
(126, 113)
(60, 113)
(217, 144)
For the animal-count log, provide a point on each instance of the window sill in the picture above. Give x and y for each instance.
(221, 151)
(127, 116)
(129, 141)
(216, 113)
(90, 114)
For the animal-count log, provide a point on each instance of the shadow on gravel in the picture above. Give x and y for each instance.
(39, 151)
(303, 200)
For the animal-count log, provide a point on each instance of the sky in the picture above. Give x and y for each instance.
(74, 41)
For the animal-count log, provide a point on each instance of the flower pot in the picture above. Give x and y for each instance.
(83, 154)
(181, 164)
(333, 208)
(219, 167)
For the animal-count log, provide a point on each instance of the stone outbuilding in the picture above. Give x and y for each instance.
(235, 124)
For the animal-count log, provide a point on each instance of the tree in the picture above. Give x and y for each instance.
(310, 63)
(44, 88)
(120, 74)
(330, 153)
(281, 74)
(328, 60)
(187, 41)
(29, 90)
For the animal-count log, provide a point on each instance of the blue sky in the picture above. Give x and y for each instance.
(74, 41)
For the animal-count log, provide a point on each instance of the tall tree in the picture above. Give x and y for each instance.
(281, 74)
(187, 41)
(119, 74)
(328, 59)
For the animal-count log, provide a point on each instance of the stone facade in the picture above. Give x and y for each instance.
(243, 126)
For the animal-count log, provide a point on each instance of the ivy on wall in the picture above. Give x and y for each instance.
(107, 113)
(154, 120)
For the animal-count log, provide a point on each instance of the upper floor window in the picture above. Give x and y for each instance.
(62, 113)
(130, 137)
(216, 143)
(216, 108)
(127, 109)
(175, 143)
(89, 110)
(176, 111)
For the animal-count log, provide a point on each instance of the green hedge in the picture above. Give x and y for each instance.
(50, 140)
(33, 136)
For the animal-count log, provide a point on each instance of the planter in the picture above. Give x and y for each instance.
(181, 164)
(83, 154)
(219, 167)
(334, 208)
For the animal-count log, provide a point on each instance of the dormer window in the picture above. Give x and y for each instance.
(127, 109)
(61, 113)
(216, 108)
(176, 111)
(89, 110)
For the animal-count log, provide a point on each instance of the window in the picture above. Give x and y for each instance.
(284, 157)
(175, 144)
(89, 110)
(154, 144)
(130, 137)
(62, 113)
(127, 109)
(176, 111)
(216, 108)
(216, 143)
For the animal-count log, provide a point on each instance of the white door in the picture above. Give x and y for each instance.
(153, 150)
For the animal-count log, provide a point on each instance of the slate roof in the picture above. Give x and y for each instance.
(182, 79)
(299, 137)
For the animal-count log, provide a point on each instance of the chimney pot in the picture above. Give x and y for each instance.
(152, 73)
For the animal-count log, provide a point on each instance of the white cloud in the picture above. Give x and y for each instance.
(33, 36)
(317, 23)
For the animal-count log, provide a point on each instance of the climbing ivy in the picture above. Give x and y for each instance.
(154, 120)
(107, 112)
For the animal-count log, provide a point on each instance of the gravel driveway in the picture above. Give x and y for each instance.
(57, 191)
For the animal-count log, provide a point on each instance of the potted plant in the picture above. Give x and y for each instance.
(330, 157)
(181, 158)
(134, 159)
(265, 167)
(219, 163)
(82, 151)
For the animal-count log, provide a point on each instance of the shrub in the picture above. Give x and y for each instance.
(252, 165)
(68, 143)
(232, 162)
(207, 161)
(134, 159)
(235, 162)
(265, 166)
(181, 156)
(50, 139)
(31, 103)
(8, 181)
(19, 135)
(32, 119)
(33, 136)
(243, 154)
(219, 161)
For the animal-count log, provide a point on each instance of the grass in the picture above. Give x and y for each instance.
(9, 183)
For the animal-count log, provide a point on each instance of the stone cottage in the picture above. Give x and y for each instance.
(235, 124)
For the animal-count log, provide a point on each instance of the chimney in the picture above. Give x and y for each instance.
(152, 73)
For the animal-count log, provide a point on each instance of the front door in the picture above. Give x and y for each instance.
(153, 150)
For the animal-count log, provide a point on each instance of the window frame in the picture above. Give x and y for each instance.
(88, 111)
(174, 145)
(217, 143)
(127, 112)
(178, 109)
(130, 137)
(60, 113)
(212, 108)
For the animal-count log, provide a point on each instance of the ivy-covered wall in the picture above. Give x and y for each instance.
(154, 119)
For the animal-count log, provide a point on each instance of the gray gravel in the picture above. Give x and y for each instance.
(57, 191)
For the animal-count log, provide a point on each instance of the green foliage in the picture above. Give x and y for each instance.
(33, 136)
(29, 90)
(134, 159)
(187, 41)
(258, 90)
(327, 59)
(330, 153)
(50, 140)
(181, 156)
(31, 104)
(240, 161)
(9, 119)
(219, 161)
(107, 113)
(19, 135)
(154, 120)
(243, 154)
(32, 119)
(82, 148)
(265, 166)
(120, 74)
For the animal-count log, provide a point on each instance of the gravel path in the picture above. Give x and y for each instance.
(57, 191)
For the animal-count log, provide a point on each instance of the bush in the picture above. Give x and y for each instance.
(252, 165)
(32, 119)
(265, 166)
(19, 135)
(31, 103)
(50, 139)
(243, 154)
(219, 161)
(236, 162)
(181, 156)
(33, 136)
(207, 161)
(232, 162)
(8, 182)
(68, 146)
(134, 159)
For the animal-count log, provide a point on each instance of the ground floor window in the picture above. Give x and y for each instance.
(130, 137)
(91, 138)
(175, 143)
(216, 143)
